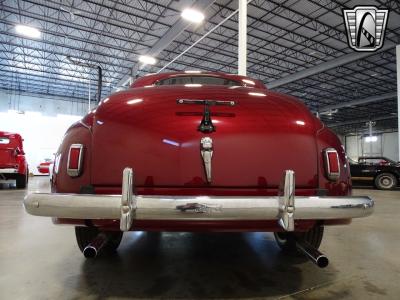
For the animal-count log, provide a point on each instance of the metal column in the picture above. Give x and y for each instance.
(242, 38)
(89, 108)
(398, 96)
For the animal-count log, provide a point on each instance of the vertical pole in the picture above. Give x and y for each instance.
(398, 97)
(242, 38)
(358, 146)
(89, 94)
(370, 137)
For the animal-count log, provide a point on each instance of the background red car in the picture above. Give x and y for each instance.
(44, 167)
(13, 165)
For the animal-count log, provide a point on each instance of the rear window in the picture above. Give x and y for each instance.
(4, 140)
(205, 80)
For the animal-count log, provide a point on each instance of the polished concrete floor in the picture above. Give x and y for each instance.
(39, 260)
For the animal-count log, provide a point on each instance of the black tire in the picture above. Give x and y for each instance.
(386, 181)
(21, 181)
(287, 240)
(84, 235)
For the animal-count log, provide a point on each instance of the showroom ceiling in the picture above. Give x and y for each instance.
(284, 38)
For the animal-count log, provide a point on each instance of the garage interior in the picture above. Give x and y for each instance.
(49, 80)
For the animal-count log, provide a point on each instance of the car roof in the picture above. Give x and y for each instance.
(9, 134)
(150, 79)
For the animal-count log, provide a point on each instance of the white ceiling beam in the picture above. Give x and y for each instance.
(325, 66)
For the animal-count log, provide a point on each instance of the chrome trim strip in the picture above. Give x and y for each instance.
(85, 125)
(8, 171)
(362, 178)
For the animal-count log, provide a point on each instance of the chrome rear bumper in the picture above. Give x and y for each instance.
(285, 208)
(8, 171)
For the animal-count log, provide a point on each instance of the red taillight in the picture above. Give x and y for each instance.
(75, 158)
(332, 164)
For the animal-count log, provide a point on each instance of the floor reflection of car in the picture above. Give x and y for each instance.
(380, 171)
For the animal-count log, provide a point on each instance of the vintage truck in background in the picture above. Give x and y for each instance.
(13, 165)
(203, 151)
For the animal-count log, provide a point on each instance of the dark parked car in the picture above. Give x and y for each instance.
(383, 172)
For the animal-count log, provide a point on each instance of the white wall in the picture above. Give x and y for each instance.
(41, 122)
(45, 105)
(386, 145)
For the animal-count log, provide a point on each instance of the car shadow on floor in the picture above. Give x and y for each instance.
(7, 186)
(201, 265)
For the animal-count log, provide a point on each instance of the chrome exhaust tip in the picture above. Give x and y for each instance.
(94, 247)
(318, 258)
(90, 252)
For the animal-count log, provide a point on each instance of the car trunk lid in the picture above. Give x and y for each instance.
(254, 141)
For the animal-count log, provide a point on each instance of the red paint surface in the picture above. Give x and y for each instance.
(255, 141)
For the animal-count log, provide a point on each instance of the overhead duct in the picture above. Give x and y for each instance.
(358, 102)
(337, 62)
(99, 74)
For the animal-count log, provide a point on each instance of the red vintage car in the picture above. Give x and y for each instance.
(44, 167)
(13, 165)
(200, 152)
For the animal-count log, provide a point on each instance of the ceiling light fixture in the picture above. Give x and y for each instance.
(148, 60)
(370, 139)
(28, 31)
(192, 15)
